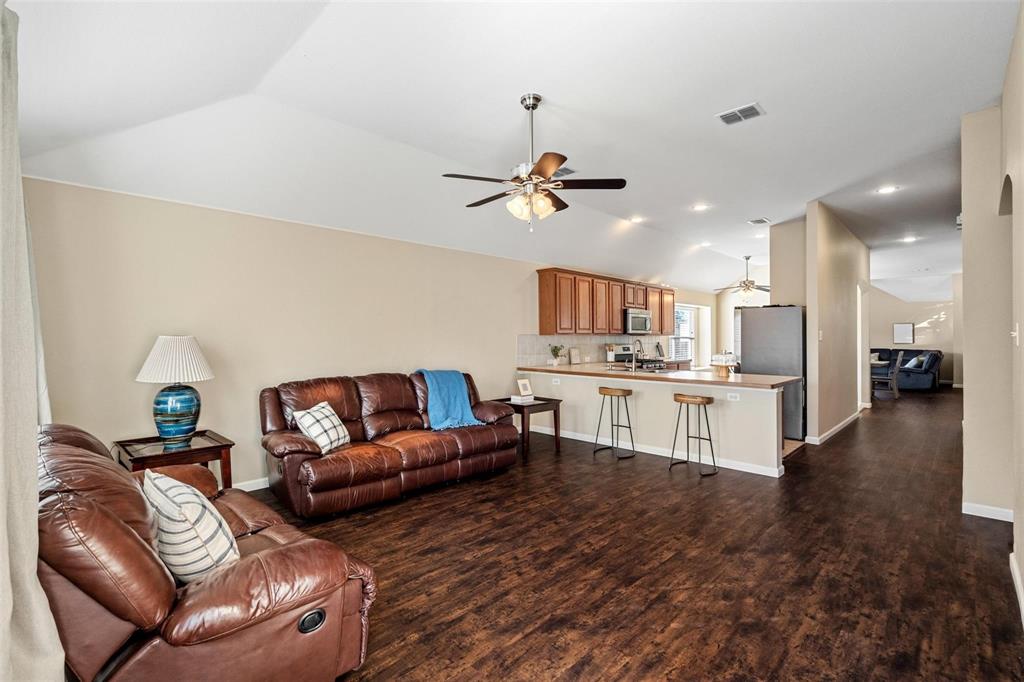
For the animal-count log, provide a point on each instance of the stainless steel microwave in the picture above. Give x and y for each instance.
(638, 321)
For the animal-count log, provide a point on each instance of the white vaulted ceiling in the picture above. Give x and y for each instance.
(346, 115)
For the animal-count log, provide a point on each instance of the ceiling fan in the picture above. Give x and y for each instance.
(529, 189)
(746, 284)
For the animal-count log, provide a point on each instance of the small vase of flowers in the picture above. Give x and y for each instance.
(556, 353)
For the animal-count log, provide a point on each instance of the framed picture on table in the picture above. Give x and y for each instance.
(525, 390)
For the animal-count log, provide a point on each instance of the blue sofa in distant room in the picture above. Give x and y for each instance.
(920, 368)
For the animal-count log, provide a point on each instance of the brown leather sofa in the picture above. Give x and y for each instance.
(392, 451)
(120, 614)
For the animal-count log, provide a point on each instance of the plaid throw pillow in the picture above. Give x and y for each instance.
(192, 537)
(321, 423)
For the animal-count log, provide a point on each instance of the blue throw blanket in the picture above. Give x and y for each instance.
(448, 399)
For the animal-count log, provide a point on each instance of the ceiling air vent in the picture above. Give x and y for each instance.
(562, 172)
(760, 221)
(743, 113)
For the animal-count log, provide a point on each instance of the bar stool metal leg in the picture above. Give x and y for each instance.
(711, 444)
(597, 434)
(629, 425)
(675, 436)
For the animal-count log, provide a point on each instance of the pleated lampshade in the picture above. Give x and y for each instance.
(175, 360)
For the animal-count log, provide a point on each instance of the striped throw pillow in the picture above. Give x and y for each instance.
(321, 423)
(192, 537)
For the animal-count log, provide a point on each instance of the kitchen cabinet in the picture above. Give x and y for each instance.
(654, 306)
(668, 312)
(581, 303)
(584, 305)
(677, 366)
(636, 296)
(601, 306)
(616, 304)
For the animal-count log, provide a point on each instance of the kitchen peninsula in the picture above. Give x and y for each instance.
(746, 418)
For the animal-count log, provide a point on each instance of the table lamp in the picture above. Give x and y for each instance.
(175, 360)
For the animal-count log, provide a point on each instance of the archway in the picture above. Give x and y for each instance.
(1006, 198)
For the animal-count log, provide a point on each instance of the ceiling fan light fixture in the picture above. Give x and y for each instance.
(519, 206)
(542, 205)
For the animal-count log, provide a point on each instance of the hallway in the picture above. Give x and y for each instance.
(858, 561)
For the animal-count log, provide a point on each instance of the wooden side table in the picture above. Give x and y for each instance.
(538, 405)
(136, 454)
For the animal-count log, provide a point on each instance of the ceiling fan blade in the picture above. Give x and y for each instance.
(488, 200)
(472, 177)
(761, 287)
(602, 183)
(547, 164)
(556, 201)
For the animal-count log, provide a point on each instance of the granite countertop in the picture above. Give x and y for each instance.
(601, 369)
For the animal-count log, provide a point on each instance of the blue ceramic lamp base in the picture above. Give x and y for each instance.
(176, 413)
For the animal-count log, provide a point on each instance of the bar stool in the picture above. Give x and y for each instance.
(699, 401)
(617, 395)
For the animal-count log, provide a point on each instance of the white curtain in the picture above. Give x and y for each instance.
(29, 646)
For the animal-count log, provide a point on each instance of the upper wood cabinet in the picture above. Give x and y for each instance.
(668, 312)
(636, 295)
(601, 306)
(578, 303)
(584, 305)
(616, 304)
(654, 305)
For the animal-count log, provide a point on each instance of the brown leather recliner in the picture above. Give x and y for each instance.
(392, 451)
(120, 614)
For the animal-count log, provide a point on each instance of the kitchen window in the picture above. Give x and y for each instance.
(683, 344)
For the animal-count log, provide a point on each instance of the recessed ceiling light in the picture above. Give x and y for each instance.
(760, 235)
(701, 206)
(887, 189)
(909, 240)
(705, 244)
(636, 219)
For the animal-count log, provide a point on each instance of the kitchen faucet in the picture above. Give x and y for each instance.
(638, 350)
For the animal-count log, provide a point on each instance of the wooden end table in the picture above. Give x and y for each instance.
(136, 454)
(539, 404)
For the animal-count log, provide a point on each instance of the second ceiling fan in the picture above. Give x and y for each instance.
(529, 190)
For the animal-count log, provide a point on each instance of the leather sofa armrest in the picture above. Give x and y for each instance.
(357, 570)
(199, 477)
(491, 411)
(254, 589)
(282, 443)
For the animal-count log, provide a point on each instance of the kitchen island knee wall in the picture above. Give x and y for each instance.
(745, 419)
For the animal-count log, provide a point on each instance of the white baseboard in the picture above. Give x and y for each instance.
(254, 484)
(818, 440)
(666, 452)
(865, 406)
(1017, 586)
(997, 513)
(958, 385)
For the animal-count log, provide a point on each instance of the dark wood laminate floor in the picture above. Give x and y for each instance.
(857, 564)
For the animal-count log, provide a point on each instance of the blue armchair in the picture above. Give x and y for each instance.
(923, 372)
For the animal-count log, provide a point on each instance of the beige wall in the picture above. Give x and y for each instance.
(933, 326)
(958, 331)
(1013, 166)
(789, 262)
(988, 390)
(269, 301)
(837, 263)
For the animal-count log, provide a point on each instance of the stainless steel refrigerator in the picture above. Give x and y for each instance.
(772, 341)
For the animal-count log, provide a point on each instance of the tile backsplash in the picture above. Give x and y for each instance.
(532, 349)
